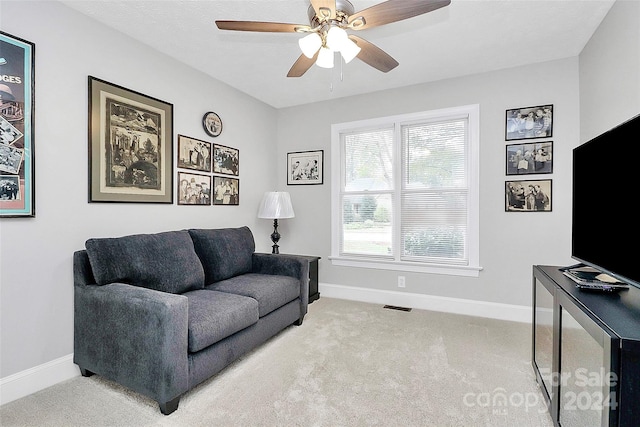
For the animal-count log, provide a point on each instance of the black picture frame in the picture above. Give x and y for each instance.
(212, 124)
(529, 122)
(226, 191)
(528, 195)
(226, 160)
(194, 189)
(305, 167)
(130, 145)
(194, 154)
(529, 158)
(17, 127)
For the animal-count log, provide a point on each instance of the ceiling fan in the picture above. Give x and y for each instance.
(326, 33)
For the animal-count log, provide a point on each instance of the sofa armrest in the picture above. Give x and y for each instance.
(285, 265)
(134, 336)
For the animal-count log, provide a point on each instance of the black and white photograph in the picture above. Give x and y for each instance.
(305, 167)
(194, 189)
(226, 160)
(194, 154)
(529, 123)
(528, 196)
(10, 158)
(532, 158)
(9, 187)
(226, 191)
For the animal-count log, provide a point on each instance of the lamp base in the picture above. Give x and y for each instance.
(275, 237)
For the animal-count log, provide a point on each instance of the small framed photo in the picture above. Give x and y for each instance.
(194, 189)
(529, 123)
(212, 124)
(532, 158)
(226, 191)
(130, 145)
(528, 196)
(226, 160)
(194, 154)
(305, 167)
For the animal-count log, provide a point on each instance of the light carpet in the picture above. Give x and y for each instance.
(349, 364)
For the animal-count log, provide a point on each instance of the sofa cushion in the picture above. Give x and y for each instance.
(224, 252)
(165, 261)
(270, 291)
(216, 315)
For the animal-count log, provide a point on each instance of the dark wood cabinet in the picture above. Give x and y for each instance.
(586, 351)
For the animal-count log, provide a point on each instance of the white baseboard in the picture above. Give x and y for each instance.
(37, 378)
(516, 313)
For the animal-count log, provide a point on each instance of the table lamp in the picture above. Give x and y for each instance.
(276, 205)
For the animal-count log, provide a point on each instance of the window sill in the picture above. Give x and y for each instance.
(451, 270)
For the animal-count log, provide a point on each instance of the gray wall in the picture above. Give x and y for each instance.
(35, 254)
(36, 275)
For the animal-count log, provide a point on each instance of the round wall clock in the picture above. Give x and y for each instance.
(212, 124)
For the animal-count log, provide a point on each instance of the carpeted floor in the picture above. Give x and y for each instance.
(349, 364)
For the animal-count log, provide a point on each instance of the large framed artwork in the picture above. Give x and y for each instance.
(529, 122)
(17, 161)
(305, 167)
(130, 145)
(530, 158)
(528, 196)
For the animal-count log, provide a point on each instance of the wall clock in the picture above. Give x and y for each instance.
(212, 124)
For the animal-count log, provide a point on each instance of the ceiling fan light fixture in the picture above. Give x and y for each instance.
(310, 44)
(349, 50)
(336, 38)
(325, 58)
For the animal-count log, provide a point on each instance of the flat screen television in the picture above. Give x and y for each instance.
(605, 217)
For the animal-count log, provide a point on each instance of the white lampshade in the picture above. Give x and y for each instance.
(276, 205)
(310, 44)
(325, 58)
(349, 50)
(336, 38)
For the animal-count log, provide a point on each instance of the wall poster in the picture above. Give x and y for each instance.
(17, 172)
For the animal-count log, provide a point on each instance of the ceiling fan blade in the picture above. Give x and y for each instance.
(302, 65)
(266, 27)
(325, 9)
(373, 55)
(393, 11)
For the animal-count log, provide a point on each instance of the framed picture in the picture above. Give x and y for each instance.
(532, 158)
(529, 122)
(528, 196)
(17, 106)
(226, 160)
(130, 146)
(226, 191)
(194, 189)
(194, 154)
(305, 167)
(212, 124)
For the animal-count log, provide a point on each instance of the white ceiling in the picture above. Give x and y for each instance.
(466, 37)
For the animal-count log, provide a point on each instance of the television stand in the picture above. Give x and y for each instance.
(586, 351)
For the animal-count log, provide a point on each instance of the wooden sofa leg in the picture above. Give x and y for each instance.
(85, 372)
(170, 406)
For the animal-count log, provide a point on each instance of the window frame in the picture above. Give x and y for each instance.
(472, 113)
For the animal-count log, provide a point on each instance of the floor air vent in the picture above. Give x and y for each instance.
(395, 307)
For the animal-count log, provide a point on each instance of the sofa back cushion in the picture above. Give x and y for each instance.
(224, 252)
(165, 262)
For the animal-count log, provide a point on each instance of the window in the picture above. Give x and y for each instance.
(405, 192)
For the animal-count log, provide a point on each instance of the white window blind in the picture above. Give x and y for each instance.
(403, 191)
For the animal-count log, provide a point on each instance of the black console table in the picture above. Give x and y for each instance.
(313, 276)
(586, 351)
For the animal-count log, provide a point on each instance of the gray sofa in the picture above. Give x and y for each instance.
(161, 313)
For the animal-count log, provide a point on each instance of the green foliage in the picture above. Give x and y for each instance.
(443, 242)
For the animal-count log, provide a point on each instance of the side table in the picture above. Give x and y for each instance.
(313, 276)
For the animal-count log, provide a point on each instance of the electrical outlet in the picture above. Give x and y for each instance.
(401, 282)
